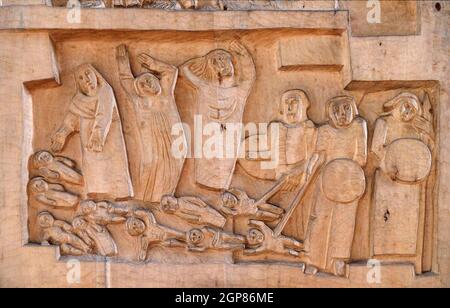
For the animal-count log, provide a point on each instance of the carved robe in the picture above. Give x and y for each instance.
(330, 231)
(396, 204)
(222, 104)
(106, 172)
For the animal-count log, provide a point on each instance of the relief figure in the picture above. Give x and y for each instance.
(93, 113)
(296, 139)
(54, 195)
(340, 185)
(402, 144)
(200, 240)
(58, 232)
(153, 102)
(55, 168)
(192, 210)
(144, 226)
(223, 80)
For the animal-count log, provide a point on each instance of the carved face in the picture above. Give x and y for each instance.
(407, 110)
(87, 207)
(196, 236)
(221, 63)
(45, 220)
(229, 200)
(255, 237)
(87, 81)
(43, 158)
(342, 112)
(169, 204)
(135, 227)
(148, 85)
(79, 223)
(38, 185)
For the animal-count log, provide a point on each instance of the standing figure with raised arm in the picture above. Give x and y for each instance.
(153, 103)
(223, 80)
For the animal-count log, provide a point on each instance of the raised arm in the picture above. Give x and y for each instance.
(168, 73)
(185, 70)
(246, 67)
(125, 74)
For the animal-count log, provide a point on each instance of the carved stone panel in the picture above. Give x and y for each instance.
(167, 141)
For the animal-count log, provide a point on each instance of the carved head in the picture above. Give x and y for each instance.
(196, 236)
(79, 223)
(404, 107)
(342, 110)
(215, 66)
(38, 185)
(221, 63)
(293, 106)
(45, 220)
(169, 204)
(135, 226)
(87, 207)
(42, 159)
(87, 79)
(229, 200)
(147, 84)
(255, 237)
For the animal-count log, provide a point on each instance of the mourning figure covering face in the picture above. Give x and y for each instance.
(406, 109)
(87, 80)
(148, 85)
(221, 63)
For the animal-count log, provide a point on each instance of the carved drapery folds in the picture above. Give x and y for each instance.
(112, 175)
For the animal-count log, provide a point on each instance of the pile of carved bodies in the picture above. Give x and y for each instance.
(327, 160)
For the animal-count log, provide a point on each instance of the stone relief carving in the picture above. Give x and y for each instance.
(55, 168)
(94, 115)
(58, 232)
(236, 202)
(192, 210)
(54, 195)
(200, 240)
(322, 171)
(402, 143)
(152, 97)
(261, 239)
(342, 183)
(223, 80)
(143, 224)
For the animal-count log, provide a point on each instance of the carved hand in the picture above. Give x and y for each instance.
(146, 61)
(95, 143)
(238, 48)
(58, 141)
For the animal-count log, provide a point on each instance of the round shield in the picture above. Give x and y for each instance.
(409, 159)
(343, 181)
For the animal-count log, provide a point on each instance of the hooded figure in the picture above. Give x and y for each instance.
(93, 113)
(402, 143)
(331, 227)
